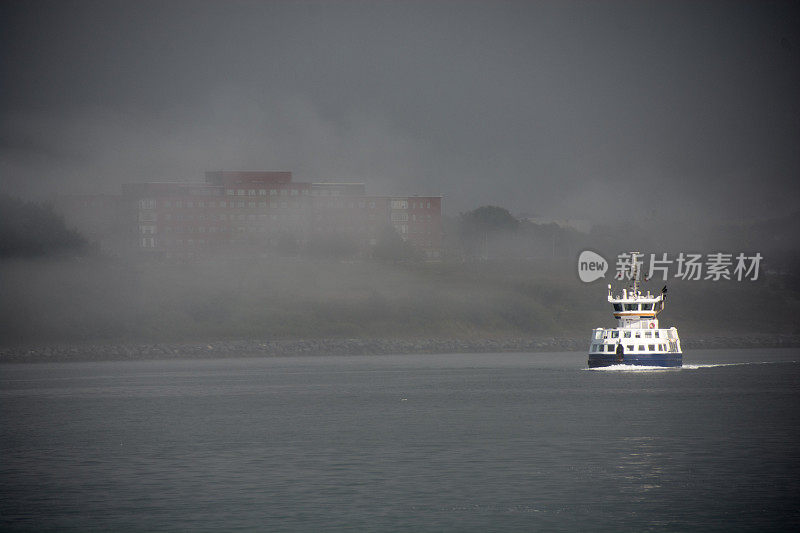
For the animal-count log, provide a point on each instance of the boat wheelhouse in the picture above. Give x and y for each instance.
(637, 339)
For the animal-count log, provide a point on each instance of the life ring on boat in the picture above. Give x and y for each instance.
(652, 325)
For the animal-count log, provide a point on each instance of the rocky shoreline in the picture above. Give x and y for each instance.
(285, 348)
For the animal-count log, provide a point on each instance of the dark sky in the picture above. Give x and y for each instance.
(593, 110)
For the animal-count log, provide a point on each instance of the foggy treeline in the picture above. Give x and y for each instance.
(500, 277)
(29, 229)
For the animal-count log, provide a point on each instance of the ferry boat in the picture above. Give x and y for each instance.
(637, 339)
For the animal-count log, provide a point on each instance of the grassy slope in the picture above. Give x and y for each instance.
(111, 300)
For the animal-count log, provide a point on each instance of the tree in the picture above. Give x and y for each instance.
(29, 229)
(488, 219)
(476, 227)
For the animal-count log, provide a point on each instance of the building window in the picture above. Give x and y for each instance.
(399, 204)
(230, 192)
(147, 203)
(262, 192)
(273, 192)
(293, 192)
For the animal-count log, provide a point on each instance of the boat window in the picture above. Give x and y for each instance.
(617, 307)
(638, 334)
(627, 334)
(630, 347)
(651, 347)
(656, 333)
(647, 334)
(614, 334)
(631, 307)
(647, 307)
(609, 347)
(641, 347)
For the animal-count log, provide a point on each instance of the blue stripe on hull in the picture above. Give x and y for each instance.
(644, 359)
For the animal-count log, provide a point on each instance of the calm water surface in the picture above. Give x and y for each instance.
(489, 442)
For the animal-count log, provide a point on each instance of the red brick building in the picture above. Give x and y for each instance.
(262, 211)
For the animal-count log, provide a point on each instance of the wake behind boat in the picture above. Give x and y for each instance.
(637, 339)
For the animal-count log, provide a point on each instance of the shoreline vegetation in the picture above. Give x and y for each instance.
(83, 352)
(502, 285)
(106, 309)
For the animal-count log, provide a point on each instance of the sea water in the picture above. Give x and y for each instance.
(459, 442)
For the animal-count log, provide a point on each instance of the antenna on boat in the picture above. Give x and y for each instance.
(635, 272)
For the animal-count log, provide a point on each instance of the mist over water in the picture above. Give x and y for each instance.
(652, 126)
(661, 127)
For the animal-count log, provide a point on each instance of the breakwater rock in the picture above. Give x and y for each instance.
(278, 348)
(337, 346)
